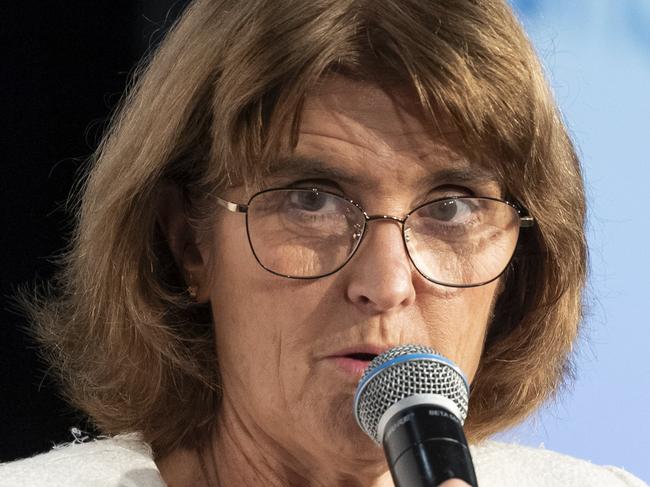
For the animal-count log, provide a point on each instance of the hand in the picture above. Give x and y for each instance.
(454, 483)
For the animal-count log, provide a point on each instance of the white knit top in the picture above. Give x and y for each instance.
(124, 461)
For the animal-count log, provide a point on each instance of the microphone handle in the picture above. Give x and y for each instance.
(425, 445)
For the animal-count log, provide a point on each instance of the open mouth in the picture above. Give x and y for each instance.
(354, 363)
(364, 357)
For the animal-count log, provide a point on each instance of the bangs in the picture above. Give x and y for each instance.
(480, 90)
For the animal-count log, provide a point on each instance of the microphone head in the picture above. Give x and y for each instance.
(412, 374)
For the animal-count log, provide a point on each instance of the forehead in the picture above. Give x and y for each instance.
(389, 118)
(360, 127)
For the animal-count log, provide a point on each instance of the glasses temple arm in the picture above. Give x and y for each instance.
(230, 206)
(526, 221)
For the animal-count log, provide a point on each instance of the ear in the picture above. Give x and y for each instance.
(191, 259)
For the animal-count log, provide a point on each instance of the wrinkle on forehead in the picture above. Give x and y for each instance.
(359, 122)
(396, 101)
(387, 123)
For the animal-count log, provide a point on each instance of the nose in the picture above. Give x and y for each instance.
(380, 275)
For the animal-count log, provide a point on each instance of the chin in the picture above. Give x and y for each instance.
(347, 442)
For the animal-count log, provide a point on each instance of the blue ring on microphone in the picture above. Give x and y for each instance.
(403, 358)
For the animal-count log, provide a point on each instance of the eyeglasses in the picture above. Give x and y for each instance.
(308, 233)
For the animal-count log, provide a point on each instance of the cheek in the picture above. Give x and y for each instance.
(463, 318)
(259, 323)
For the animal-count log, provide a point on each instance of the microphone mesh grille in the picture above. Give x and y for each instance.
(431, 375)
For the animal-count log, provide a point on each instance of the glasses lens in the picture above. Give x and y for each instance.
(462, 241)
(303, 232)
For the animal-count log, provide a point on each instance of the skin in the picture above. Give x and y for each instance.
(286, 416)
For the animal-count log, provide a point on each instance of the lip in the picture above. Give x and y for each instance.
(353, 367)
(350, 367)
(367, 349)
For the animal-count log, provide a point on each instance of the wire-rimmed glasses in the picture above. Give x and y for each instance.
(458, 241)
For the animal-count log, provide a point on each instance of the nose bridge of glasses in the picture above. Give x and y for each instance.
(385, 218)
(364, 231)
(389, 218)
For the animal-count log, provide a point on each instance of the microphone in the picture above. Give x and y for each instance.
(413, 401)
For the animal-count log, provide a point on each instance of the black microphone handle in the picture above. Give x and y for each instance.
(425, 445)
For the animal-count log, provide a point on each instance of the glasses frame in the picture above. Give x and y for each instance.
(525, 221)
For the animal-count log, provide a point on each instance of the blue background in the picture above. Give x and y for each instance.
(597, 57)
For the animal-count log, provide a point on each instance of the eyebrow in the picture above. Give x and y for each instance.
(466, 174)
(305, 167)
(309, 168)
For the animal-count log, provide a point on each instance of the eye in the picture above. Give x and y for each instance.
(312, 201)
(452, 210)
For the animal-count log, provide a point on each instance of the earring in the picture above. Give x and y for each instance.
(193, 291)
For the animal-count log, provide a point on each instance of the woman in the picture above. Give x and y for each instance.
(290, 189)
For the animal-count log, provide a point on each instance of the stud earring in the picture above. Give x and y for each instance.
(193, 291)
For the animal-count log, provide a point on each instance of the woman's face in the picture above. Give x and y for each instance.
(284, 346)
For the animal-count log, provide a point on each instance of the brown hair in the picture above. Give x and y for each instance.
(213, 104)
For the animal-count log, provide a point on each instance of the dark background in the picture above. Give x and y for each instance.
(65, 65)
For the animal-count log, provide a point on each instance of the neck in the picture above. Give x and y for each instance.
(241, 454)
